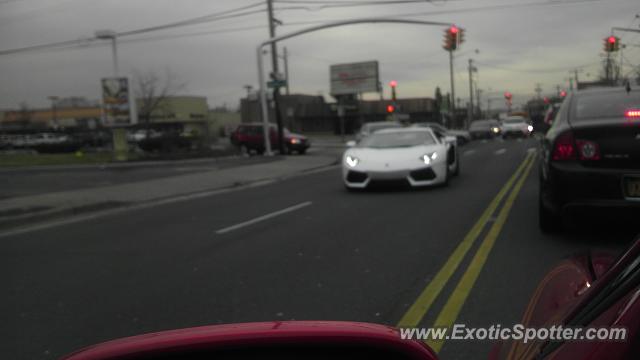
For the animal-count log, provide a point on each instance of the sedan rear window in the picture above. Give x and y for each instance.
(607, 105)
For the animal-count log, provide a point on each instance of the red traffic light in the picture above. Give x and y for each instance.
(508, 95)
(453, 29)
(391, 109)
(563, 93)
(611, 39)
(393, 83)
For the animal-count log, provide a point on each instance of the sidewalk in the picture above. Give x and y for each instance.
(329, 140)
(30, 209)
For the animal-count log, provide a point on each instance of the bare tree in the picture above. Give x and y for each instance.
(152, 92)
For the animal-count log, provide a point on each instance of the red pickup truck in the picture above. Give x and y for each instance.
(250, 137)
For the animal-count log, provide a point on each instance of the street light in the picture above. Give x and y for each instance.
(110, 35)
(54, 117)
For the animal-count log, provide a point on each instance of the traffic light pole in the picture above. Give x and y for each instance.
(276, 90)
(453, 89)
(470, 114)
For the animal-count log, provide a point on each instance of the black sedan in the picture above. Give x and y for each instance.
(590, 157)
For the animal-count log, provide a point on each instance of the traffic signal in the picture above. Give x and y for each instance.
(391, 109)
(611, 44)
(563, 93)
(508, 95)
(453, 37)
(393, 85)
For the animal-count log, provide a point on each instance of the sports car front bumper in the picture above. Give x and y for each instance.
(360, 178)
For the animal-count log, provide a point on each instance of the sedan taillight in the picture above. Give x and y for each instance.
(567, 148)
(564, 147)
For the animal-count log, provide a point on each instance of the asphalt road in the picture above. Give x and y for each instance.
(303, 248)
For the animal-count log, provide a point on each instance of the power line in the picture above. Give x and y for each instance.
(227, 14)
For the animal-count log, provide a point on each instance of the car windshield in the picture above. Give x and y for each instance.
(514, 121)
(398, 139)
(371, 128)
(603, 105)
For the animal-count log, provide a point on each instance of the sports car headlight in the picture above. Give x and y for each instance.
(351, 161)
(429, 158)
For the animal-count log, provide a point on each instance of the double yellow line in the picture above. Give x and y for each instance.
(451, 309)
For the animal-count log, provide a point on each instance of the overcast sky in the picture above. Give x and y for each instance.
(519, 45)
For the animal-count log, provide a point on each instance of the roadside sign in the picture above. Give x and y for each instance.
(118, 107)
(276, 84)
(355, 78)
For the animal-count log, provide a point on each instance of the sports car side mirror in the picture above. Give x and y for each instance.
(351, 143)
(267, 340)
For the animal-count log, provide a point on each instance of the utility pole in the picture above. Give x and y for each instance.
(274, 63)
(470, 113)
(538, 90)
(478, 92)
(575, 73)
(248, 88)
(285, 57)
(453, 88)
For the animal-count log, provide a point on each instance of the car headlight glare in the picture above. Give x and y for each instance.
(495, 130)
(352, 161)
(530, 128)
(428, 158)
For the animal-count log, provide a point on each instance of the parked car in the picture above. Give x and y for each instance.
(371, 127)
(250, 137)
(515, 126)
(484, 129)
(413, 156)
(462, 136)
(590, 157)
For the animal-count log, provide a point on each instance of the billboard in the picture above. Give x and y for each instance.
(354, 78)
(117, 104)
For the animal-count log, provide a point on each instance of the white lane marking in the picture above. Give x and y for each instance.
(519, 139)
(531, 150)
(150, 204)
(484, 141)
(468, 152)
(264, 217)
(501, 151)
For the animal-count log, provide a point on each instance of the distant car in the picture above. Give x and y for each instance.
(484, 129)
(413, 156)
(371, 127)
(515, 126)
(590, 157)
(250, 137)
(462, 136)
(142, 134)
